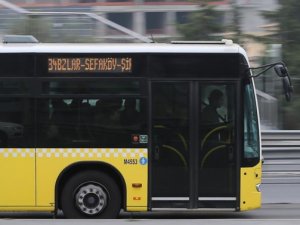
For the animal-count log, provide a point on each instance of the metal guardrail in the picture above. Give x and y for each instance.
(281, 152)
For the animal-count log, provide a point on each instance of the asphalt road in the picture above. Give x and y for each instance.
(268, 214)
(281, 187)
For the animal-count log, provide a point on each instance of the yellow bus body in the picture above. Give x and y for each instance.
(250, 196)
(30, 175)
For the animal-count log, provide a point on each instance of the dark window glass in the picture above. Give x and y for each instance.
(15, 86)
(217, 169)
(92, 87)
(123, 19)
(251, 132)
(155, 22)
(16, 122)
(195, 65)
(102, 123)
(15, 65)
(182, 17)
(170, 139)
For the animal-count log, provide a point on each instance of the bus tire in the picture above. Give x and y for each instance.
(91, 194)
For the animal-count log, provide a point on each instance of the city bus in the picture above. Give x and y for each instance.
(93, 129)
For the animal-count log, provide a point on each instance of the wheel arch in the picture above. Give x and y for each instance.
(4, 137)
(92, 165)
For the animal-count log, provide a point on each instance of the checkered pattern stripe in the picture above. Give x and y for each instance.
(17, 152)
(74, 152)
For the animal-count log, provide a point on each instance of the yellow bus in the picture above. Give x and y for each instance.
(92, 129)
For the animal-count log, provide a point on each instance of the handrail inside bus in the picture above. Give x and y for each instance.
(210, 152)
(211, 132)
(177, 153)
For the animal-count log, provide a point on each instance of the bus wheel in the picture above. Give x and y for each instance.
(91, 194)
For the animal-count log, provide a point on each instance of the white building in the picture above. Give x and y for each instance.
(157, 18)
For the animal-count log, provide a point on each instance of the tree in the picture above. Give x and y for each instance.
(203, 24)
(235, 26)
(287, 18)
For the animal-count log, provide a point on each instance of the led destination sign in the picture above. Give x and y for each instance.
(90, 65)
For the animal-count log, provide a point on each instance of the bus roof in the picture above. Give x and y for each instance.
(121, 48)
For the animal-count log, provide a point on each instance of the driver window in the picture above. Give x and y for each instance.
(216, 115)
(214, 104)
(217, 155)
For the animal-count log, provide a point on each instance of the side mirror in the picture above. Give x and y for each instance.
(281, 70)
(287, 87)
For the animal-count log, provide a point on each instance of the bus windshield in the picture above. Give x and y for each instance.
(251, 131)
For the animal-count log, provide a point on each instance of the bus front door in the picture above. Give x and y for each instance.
(193, 156)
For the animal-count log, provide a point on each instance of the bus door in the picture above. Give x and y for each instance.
(217, 166)
(193, 156)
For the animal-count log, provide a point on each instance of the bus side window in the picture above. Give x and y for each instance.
(107, 113)
(129, 115)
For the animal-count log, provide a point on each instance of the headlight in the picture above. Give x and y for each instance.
(258, 187)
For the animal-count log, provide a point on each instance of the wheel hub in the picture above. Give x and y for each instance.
(91, 199)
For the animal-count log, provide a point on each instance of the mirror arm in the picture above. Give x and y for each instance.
(267, 67)
(281, 71)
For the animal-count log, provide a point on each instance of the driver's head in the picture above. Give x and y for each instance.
(216, 98)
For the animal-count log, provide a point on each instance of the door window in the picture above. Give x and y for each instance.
(170, 134)
(216, 130)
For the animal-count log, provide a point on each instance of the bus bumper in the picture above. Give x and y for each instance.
(250, 187)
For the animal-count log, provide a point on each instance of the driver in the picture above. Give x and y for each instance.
(210, 112)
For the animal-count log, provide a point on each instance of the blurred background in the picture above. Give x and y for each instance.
(269, 30)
